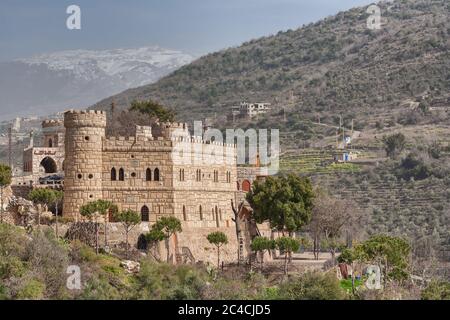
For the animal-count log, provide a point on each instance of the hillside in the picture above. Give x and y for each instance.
(333, 66)
(396, 79)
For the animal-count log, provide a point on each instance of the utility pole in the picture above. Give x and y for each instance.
(343, 138)
(337, 141)
(10, 147)
(113, 109)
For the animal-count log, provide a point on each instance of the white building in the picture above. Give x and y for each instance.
(249, 110)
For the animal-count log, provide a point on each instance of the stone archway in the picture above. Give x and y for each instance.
(49, 165)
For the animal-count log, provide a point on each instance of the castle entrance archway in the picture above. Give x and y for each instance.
(49, 165)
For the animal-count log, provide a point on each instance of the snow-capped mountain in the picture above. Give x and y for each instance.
(76, 79)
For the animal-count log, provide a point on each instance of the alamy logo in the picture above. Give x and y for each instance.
(74, 280)
(73, 22)
(374, 20)
(373, 277)
(251, 147)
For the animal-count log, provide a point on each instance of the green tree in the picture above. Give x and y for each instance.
(286, 202)
(394, 144)
(218, 239)
(349, 256)
(5, 180)
(260, 245)
(104, 207)
(129, 219)
(90, 212)
(153, 110)
(153, 237)
(287, 245)
(42, 197)
(93, 210)
(58, 196)
(169, 226)
(391, 254)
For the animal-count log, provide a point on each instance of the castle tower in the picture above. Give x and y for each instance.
(85, 131)
(53, 132)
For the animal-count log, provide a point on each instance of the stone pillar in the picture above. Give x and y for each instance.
(85, 131)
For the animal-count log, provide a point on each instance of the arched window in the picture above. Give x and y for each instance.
(148, 175)
(50, 143)
(145, 214)
(181, 174)
(238, 186)
(113, 174)
(246, 186)
(156, 174)
(217, 217)
(216, 176)
(184, 214)
(121, 174)
(200, 210)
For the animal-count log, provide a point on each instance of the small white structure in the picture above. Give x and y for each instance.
(249, 110)
(345, 156)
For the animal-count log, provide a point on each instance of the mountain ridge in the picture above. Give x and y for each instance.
(50, 82)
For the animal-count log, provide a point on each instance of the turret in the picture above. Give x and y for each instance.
(85, 131)
(53, 132)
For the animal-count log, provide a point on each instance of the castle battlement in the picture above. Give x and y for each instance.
(179, 125)
(72, 111)
(85, 118)
(52, 123)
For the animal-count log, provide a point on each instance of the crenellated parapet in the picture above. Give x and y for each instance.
(136, 144)
(85, 118)
(52, 124)
(168, 130)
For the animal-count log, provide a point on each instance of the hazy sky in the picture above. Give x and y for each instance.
(195, 26)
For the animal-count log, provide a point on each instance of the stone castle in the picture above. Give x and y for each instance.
(160, 171)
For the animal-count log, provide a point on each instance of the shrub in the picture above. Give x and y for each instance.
(436, 290)
(313, 286)
(413, 167)
(31, 290)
